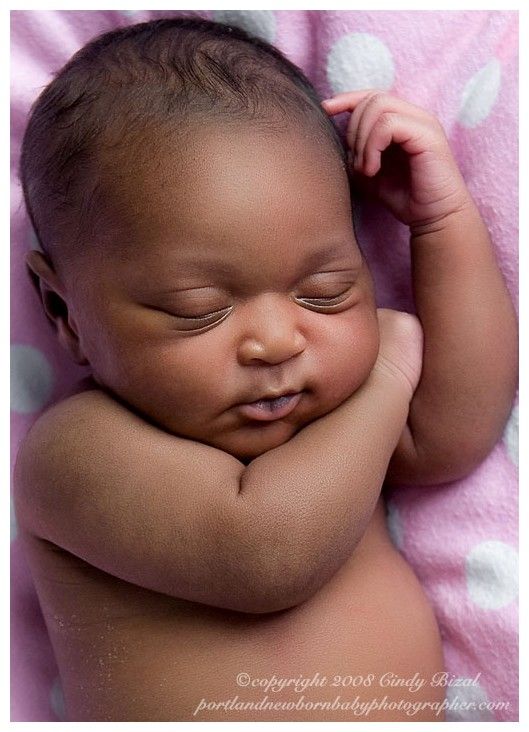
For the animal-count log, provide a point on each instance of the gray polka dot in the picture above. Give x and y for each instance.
(510, 436)
(57, 699)
(492, 574)
(31, 379)
(33, 241)
(394, 523)
(261, 23)
(14, 527)
(464, 703)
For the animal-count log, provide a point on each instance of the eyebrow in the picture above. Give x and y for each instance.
(325, 256)
(311, 261)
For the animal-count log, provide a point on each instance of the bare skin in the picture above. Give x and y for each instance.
(276, 553)
(129, 654)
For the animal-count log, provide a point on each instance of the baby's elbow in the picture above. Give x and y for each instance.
(287, 559)
(285, 574)
(275, 598)
(445, 463)
(279, 585)
(460, 464)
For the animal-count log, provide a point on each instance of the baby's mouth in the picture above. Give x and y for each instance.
(267, 410)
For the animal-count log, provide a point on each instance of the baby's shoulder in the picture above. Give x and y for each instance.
(74, 417)
(63, 430)
(55, 418)
(85, 401)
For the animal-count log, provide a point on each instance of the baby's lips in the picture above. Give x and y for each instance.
(258, 411)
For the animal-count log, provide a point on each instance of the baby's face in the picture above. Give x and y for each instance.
(235, 275)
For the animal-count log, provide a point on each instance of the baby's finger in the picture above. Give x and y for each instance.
(392, 127)
(345, 102)
(352, 132)
(376, 105)
(371, 109)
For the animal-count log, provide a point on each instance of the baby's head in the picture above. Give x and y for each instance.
(192, 203)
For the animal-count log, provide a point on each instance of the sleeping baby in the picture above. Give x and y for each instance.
(203, 515)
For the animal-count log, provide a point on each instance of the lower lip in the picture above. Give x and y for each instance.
(271, 409)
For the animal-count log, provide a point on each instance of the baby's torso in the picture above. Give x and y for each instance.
(129, 654)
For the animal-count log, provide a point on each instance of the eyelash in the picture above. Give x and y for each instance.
(327, 300)
(315, 302)
(200, 317)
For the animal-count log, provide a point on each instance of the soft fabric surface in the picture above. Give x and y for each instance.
(461, 539)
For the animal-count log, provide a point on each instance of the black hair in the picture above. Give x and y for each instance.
(122, 83)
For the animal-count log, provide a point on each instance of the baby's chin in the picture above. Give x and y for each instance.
(252, 440)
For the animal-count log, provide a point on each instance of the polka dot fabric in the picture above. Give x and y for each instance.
(461, 539)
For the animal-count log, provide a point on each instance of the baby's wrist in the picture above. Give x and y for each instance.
(388, 378)
(463, 211)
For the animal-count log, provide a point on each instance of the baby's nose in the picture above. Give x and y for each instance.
(273, 333)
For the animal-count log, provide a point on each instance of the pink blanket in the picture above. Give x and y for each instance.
(461, 538)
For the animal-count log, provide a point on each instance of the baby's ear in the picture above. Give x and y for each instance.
(55, 303)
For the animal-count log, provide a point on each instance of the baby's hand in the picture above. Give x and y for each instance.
(399, 153)
(400, 351)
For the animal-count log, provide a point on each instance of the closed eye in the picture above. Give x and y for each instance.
(202, 321)
(326, 301)
(321, 299)
(206, 316)
(197, 323)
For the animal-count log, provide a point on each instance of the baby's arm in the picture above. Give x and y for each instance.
(189, 520)
(469, 377)
(469, 372)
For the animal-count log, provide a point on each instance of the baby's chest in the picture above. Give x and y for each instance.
(122, 647)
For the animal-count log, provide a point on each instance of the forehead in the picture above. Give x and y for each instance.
(222, 194)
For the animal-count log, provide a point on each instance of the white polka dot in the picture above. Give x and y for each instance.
(131, 14)
(492, 574)
(394, 524)
(510, 436)
(464, 703)
(359, 61)
(14, 527)
(31, 379)
(260, 23)
(57, 699)
(480, 94)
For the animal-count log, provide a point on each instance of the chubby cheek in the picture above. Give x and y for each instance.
(347, 354)
(177, 381)
(161, 377)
